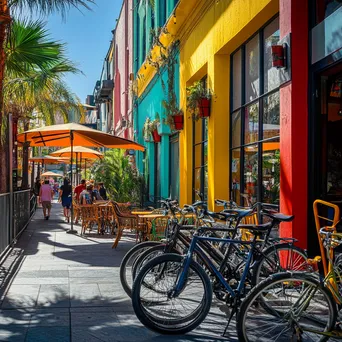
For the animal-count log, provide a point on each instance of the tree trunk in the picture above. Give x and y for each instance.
(24, 184)
(4, 19)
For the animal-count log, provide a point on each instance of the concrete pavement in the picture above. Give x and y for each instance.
(67, 288)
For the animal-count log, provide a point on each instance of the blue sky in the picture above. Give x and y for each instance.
(87, 35)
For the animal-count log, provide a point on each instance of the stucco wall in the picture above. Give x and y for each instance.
(206, 50)
(123, 52)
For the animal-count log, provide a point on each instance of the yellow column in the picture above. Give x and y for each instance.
(185, 146)
(218, 133)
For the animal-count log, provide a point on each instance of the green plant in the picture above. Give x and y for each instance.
(120, 178)
(150, 126)
(195, 93)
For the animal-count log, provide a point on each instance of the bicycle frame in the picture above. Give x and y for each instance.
(194, 248)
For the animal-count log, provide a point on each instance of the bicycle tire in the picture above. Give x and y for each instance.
(171, 326)
(250, 306)
(134, 251)
(140, 261)
(265, 260)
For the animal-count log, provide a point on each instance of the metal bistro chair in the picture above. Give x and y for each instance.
(124, 221)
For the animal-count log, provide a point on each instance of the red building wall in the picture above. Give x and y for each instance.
(294, 121)
(123, 52)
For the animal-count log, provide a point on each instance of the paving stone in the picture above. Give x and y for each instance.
(51, 334)
(15, 333)
(56, 317)
(85, 295)
(54, 296)
(21, 296)
(14, 317)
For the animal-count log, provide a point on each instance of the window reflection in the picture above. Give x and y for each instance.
(251, 173)
(252, 69)
(236, 169)
(271, 123)
(252, 123)
(271, 74)
(271, 171)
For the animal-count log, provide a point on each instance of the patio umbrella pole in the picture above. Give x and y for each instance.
(71, 230)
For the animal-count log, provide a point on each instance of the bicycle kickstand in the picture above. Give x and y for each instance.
(234, 310)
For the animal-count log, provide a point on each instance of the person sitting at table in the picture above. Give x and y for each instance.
(88, 196)
(79, 188)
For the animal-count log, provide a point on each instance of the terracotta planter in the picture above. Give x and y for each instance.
(178, 121)
(156, 136)
(204, 108)
(277, 56)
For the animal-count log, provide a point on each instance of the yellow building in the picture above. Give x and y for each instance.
(213, 31)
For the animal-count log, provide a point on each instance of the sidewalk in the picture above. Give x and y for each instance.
(67, 288)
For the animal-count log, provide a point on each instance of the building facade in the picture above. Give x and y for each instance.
(270, 134)
(156, 87)
(103, 93)
(123, 72)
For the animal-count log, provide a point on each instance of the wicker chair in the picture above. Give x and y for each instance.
(77, 210)
(89, 216)
(107, 218)
(123, 221)
(156, 228)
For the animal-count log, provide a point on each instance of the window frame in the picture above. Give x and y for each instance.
(202, 142)
(242, 109)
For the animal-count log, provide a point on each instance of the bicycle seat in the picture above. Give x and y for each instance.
(278, 216)
(237, 212)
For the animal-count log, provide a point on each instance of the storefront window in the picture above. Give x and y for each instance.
(255, 124)
(324, 8)
(200, 158)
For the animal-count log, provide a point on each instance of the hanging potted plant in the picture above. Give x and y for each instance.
(146, 130)
(178, 120)
(198, 100)
(154, 129)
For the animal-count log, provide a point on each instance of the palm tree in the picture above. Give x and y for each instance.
(33, 81)
(7, 9)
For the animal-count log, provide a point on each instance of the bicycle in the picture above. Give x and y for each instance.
(152, 282)
(312, 312)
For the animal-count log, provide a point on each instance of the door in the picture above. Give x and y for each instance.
(174, 166)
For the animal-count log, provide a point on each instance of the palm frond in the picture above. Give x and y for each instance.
(29, 47)
(46, 7)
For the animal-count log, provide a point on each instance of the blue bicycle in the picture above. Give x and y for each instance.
(172, 294)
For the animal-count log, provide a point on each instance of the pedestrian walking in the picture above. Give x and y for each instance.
(65, 196)
(45, 197)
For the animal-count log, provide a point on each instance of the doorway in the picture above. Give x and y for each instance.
(325, 145)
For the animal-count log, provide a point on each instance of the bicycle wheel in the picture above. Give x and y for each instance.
(279, 258)
(154, 303)
(148, 255)
(127, 262)
(299, 308)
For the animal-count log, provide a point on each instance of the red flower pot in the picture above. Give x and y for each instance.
(204, 108)
(278, 56)
(178, 121)
(156, 136)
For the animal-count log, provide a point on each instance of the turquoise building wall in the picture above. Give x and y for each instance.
(147, 106)
(150, 102)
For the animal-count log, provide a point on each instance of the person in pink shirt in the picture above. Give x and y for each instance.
(45, 195)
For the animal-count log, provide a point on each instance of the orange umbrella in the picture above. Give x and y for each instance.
(71, 134)
(80, 152)
(48, 160)
(85, 152)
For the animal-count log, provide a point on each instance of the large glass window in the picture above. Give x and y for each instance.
(255, 125)
(200, 158)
